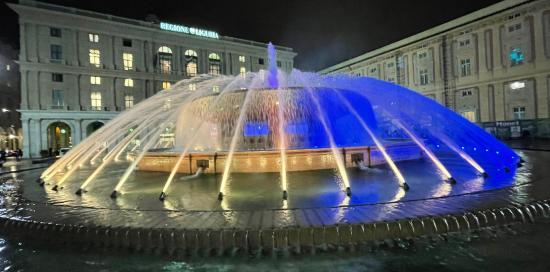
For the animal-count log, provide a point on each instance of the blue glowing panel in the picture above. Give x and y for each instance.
(253, 129)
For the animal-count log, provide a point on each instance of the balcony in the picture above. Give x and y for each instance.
(58, 107)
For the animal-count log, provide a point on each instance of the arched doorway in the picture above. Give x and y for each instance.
(59, 136)
(93, 127)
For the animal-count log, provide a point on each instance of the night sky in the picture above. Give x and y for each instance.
(322, 32)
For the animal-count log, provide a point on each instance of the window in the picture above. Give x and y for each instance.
(242, 59)
(128, 82)
(192, 87)
(467, 93)
(512, 16)
(465, 67)
(96, 100)
(389, 64)
(242, 71)
(57, 98)
(373, 70)
(56, 52)
(57, 77)
(470, 115)
(519, 113)
(261, 61)
(516, 57)
(128, 61)
(55, 32)
(165, 59)
(94, 38)
(424, 77)
(126, 42)
(166, 85)
(514, 27)
(95, 57)
(214, 67)
(279, 64)
(422, 55)
(216, 89)
(464, 43)
(128, 101)
(8, 67)
(516, 85)
(95, 80)
(191, 63)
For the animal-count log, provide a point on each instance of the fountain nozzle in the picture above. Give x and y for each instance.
(162, 196)
(348, 191)
(220, 196)
(114, 194)
(405, 186)
(451, 180)
(285, 195)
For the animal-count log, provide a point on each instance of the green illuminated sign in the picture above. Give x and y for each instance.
(189, 30)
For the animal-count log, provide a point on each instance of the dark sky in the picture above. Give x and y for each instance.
(322, 32)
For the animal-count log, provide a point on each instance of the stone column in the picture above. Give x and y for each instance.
(538, 39)
(542, 95)
(76, 52)
(24, 90)
(23, 42)
(499, 99)
(483, 103)
(26, 138)
(497, 52)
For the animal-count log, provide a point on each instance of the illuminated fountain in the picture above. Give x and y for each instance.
(317, 142)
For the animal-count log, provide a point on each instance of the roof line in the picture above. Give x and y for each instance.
(434, 31)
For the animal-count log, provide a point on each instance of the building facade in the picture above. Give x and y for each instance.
(10, 125)
(79, 68)
(492, 66)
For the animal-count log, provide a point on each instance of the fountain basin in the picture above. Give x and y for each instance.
(260, 161)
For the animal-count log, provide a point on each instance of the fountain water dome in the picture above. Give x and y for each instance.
(277, 122)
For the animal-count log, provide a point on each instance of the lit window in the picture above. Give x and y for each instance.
(215, 67)
(465, 67)
(96, 100)
(57, 98)
(95, 57)
(166, 85)
(242, 71)
(216, 89)
(8, 67)
(242, 59)
(519, 113)
(128, 61)
(424, 77)
(128, 82)
(128, 101)
(516, 56)
(165, 49)
(191, 69)
(95, 80)
(516, 85)
(470, 115)
(56, 52)
(191, 59)
(165, 59)
(192, 87)
(93, 37)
